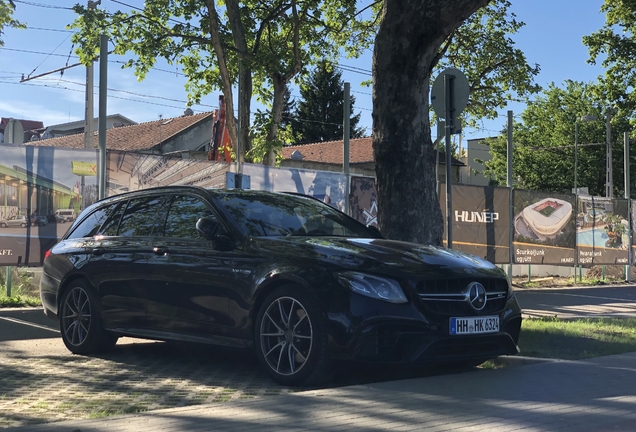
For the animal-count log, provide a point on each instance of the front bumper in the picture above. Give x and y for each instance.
(407, 333)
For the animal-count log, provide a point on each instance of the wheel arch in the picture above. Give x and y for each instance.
(267, 287)
(64, 285)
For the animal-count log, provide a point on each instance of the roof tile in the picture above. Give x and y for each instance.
(133, 137)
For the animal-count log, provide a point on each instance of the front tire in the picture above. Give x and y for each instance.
(290, 338)
(81, 321)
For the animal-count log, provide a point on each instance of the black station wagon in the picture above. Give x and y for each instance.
(296, 280)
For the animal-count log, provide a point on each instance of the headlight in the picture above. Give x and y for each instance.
(372, 286)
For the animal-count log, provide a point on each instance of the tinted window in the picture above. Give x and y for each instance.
(140, 217)
(112, 223)
(183, 214)
(278, 215)
(90, 226)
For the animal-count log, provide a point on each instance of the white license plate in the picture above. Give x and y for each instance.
(474, 325)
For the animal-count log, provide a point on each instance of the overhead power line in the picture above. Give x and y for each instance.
(42, 5)
(58, 87)
(49, 29)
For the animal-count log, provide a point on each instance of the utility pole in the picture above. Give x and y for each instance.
(88, 110)
(345, 139)
(103, 88)
(608, 144)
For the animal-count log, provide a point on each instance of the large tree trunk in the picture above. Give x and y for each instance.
(410, 35)
(245, 78)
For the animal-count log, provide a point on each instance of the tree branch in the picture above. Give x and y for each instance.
(442, 52)
(297, 63)
(275, 14)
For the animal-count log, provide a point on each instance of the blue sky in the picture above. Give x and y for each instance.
(551, 38)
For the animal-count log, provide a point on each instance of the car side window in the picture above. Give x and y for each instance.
(90, 225)
(109, 228)
(140, 216)
(183, 214)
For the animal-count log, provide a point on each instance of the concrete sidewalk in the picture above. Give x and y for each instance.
(592, 395)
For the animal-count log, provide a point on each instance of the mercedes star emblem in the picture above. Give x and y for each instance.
(476, 295)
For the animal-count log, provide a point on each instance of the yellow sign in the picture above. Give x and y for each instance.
(83, 168)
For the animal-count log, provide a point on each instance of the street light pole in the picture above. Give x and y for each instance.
(585, 119)
(576, 192)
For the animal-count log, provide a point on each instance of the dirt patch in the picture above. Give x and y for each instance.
(614, 274)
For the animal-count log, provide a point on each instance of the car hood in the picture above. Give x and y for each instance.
(379, 255)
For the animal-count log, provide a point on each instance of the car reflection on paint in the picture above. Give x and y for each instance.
(286, 275)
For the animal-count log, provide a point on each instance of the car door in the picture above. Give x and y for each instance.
(119, 262)
(188, 295)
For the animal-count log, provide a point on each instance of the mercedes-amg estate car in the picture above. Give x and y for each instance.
(286, 275)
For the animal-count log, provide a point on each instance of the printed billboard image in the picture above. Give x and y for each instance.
(363, 200)
(327, 186)
(602, 231)
(545, 229)
(481, 221)
(132, 171)
(42, 190)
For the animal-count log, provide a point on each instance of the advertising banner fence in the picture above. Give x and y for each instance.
(545, 230)
(602, 231)
(133, 171)
(363, 200)
(42, 190)
(327, 186)
(481, 221)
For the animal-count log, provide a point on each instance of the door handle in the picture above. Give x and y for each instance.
(161, 251)
(98, 251)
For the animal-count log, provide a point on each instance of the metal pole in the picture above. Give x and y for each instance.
(239, 168)
(576, 192)
(345, 134)
(509, 184)
(9, 277)
(449, 180)
(628, 268)
(608, 171)
(88, 119)
(103, 80)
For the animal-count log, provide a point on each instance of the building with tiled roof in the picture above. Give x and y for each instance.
(179, 134)
(328, 156)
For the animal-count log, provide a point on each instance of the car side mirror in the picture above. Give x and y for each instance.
(207, 227)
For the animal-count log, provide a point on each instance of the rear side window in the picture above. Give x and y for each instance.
(183, 214)
(90, 226)
(140, 216)
(112, 223)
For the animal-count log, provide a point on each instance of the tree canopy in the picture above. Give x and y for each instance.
(319, 112)
(543, 156)
(6, 18)
(615, 44)
(484, 50)
(274, 40)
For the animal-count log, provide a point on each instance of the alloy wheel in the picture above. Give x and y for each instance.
(76, 316)
(286, 336)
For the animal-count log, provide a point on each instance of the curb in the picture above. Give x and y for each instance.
(516, 360)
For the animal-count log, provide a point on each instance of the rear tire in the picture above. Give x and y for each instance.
(81, 321)
(3, 225)
(291, 339)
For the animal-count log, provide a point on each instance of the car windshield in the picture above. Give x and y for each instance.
(271, 215)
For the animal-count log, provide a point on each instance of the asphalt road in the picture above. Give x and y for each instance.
(613, 301)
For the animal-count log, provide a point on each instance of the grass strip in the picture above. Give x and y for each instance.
(572, 339)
